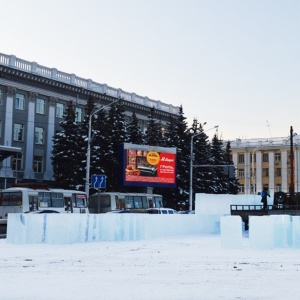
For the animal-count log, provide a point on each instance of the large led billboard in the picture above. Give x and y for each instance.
(144, 165)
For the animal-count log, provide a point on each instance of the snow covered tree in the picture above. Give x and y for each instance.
(177, 135)
(116, 135)
(202, 172)
(65, 151)
(135, 135)
(229, 176)
(218, 158)
(83, 142)
(153, 135)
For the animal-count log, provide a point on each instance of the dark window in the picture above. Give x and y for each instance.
(11, 199)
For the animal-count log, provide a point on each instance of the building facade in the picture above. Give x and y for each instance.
(267, 163)
(32, 103)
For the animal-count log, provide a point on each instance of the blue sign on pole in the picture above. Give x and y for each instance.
(99, 181)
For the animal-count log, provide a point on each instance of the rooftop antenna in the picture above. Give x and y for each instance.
(269, 129)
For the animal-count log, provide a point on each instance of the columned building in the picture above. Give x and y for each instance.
(32, 103)
(263, 163)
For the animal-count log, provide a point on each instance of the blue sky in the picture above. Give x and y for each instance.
(232, 63)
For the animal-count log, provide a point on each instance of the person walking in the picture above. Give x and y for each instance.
(264, 194)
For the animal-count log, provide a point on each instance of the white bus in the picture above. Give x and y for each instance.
(27, 200)
(113, 201)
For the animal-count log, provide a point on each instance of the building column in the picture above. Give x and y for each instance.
(247, 173)
(271, 172)
(28, 172)
(258, 177)
(48, 175)
(6, 170)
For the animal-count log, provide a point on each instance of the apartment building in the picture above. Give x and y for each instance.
(32, 103)
(263, 163)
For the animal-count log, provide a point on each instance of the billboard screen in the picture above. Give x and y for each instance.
(144, 165)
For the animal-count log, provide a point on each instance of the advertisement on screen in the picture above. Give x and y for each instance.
(144, 165)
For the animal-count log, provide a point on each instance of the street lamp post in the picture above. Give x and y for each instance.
(191, 166)
(88, 153)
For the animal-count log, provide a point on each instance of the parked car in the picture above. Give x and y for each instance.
(124, 211)
(166, 211)
(186, 212)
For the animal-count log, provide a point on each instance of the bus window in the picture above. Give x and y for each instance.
(80, 200)
(158, 202)
(129, 202)
(57, 200)
(44, 200)
(120, 203)
(137, 202)
(11, 199)
(144, 202)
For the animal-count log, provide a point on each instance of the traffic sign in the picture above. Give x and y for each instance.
(99, 181)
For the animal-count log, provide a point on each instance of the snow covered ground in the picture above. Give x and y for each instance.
(181, 267)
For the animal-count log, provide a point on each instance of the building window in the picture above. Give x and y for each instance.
(78, 114)
(253, 172)
(241, 158)
(278, 172)
(278, 188)
(241, 189)
(1, 97)
(59, 110)
(40, 106)
(39, 135)
(241, 173)
(265, 157)
(277, 158)
(16, 162)
(265, 172)
(18, 132)
(38, 164)
(20, 102)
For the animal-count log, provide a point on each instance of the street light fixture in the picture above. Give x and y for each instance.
(191, 165)
(88, 154)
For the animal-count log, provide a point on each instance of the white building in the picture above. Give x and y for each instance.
(263, 163)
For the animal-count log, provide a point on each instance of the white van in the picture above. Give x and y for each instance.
(166, 211)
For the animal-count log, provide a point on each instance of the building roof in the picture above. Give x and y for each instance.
(6, 151)
(266, 142)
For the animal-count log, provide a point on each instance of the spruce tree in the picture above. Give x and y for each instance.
(65, 151)
(153, 135)
(117, 134)
(229, 176)
(135, 135)
(83, 142)
(218, 158)
(100, 146)
(177, 135)
(202, 172)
